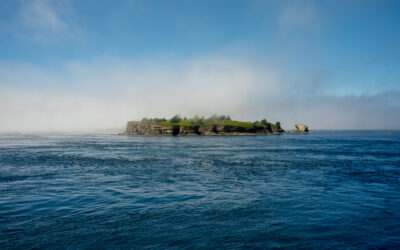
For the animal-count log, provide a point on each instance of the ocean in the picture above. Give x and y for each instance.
(327, 189)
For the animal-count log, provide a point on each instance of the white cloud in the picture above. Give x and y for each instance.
(110, 91)
(39, 14)
(44, 21)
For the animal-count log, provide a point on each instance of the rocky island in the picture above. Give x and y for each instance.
(215, 125)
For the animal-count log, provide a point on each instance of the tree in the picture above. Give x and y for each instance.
(278, 125)
(176, 119)
(257, 125)
(213, 118)
(228, 118)
(264, 122)
(201, 120)
(268, 127)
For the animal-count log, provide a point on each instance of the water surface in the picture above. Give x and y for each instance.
(328, 189)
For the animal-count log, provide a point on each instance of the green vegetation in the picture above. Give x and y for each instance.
(278, 125)
(154, 120)
(175, 119)
(214, 121)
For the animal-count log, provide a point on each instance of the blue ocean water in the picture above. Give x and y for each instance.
(328, 189)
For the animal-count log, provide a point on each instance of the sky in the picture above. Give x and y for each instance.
(69, 65)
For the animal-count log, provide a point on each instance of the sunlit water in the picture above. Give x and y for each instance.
(322, 190)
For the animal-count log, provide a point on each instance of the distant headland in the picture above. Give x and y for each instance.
(198, 125)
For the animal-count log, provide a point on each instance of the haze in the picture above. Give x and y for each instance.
(88, 65)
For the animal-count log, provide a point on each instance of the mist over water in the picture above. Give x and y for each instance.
(327, 189)
(107, 92)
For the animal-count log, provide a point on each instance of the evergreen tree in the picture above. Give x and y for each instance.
(264, 122)
(175, 119)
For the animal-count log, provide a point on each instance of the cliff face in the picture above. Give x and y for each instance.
(301, 128)
(148, 128)
(144, 128)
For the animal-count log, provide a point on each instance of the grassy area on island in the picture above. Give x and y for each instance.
(214, 120)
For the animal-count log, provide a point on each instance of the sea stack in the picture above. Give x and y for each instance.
(301, 128)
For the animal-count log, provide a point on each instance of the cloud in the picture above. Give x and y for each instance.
(44, 21)
(107, 92)
(372, 111)
(39, 14)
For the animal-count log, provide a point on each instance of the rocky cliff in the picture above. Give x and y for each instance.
(149, 128)
(301, 128)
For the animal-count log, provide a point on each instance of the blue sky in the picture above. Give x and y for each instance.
(94, 64)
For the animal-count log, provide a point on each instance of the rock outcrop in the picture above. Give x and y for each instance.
(301, 128)
(145, 128)
(149, 128)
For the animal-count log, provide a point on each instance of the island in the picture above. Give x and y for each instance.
(198, 125)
